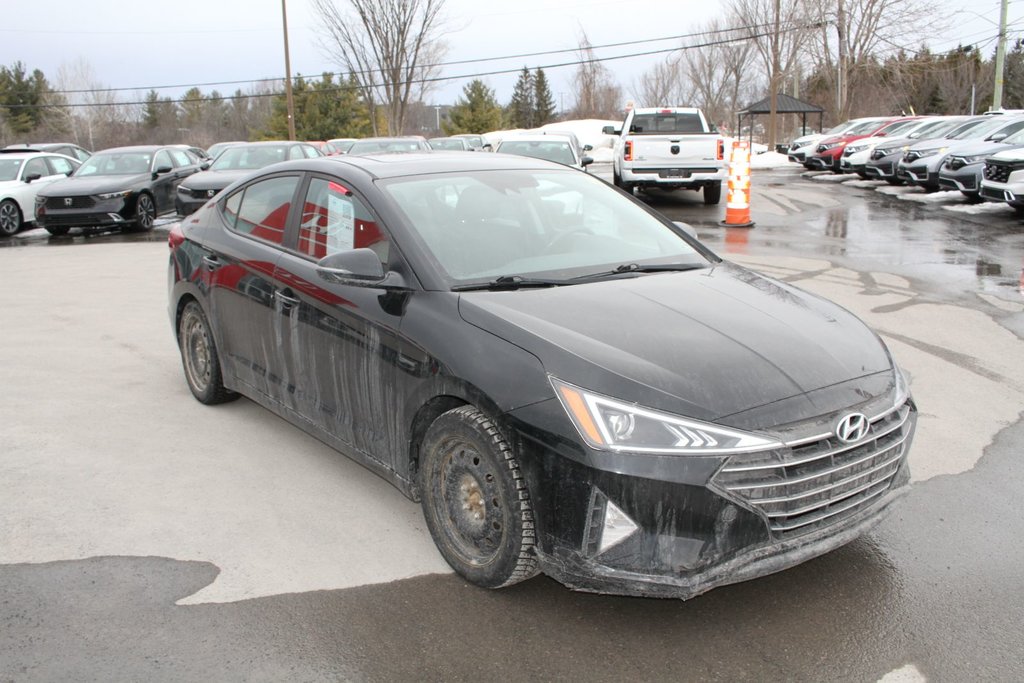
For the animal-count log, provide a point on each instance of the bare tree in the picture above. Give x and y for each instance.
(390, 46)
(598, 95)
(719, 71)
(663, 84)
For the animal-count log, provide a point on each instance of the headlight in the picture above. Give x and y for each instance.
(114, 195)
(184, 190)
(829, 145)
(608, 424)
(902, 387)
(853, 149)
(922, 153)
(973, 160)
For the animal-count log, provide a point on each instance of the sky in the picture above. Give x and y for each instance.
(143, 45)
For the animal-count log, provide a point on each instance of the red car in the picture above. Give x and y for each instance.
(829, 151)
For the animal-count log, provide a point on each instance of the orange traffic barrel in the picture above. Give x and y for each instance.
(737, 204)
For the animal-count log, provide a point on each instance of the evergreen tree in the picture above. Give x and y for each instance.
(159, 112)
(521, 108)
(21, 96)
(543, 102)
(475, 112)
(323, 110)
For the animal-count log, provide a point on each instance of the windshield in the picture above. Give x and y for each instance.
(865, 128)
(559, 152)
(934, 129)
(375, 146)
(245, 157)
(898, 127)
(9, 169)
(482, 225)
(341, 146)
(834, 130)
(1015, 139)
(448, 143)
(116, 163)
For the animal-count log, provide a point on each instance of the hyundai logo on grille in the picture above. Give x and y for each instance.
(68, 201)
(853, 427)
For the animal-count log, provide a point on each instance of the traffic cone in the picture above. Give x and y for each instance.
(737, 204)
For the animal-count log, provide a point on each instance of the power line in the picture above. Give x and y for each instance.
(428, 66)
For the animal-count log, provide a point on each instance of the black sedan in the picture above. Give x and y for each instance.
(233, 163)
(125, 187)
(565, 380)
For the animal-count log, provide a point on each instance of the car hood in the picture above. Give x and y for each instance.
(213, 180)
(90, 185)
(708, 343)
(1016, 154)
(980, 148)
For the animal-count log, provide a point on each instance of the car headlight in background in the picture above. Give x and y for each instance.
(608, 424)
(114, 195)
(902, 386)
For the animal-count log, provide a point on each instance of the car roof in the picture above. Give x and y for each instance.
(136, 148)
(539, 137)
(399, 164)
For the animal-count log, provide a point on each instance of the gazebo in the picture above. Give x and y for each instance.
(784, 104)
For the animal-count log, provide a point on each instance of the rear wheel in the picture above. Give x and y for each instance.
(475, 500)
(199, 357)
(10, 217)
(713, 193)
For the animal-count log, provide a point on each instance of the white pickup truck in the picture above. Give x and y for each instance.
(669, 148)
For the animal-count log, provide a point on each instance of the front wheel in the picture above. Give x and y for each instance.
(713, 194)
(145, 213)
(10, 217)
(199, 357)
(475, 500)
(57, 230)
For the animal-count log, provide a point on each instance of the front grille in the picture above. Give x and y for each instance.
(998, 173)
(83, 202)
(809, 485)
(993, 193)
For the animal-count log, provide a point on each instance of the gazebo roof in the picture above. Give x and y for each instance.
(784, 104)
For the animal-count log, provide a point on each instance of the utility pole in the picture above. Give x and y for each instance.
(841, 76)
(774, 80)
(997, 96)
(288, 74)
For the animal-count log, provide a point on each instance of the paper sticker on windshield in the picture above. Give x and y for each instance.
(340, 223)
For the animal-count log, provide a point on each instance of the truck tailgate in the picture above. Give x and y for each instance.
(675, 151)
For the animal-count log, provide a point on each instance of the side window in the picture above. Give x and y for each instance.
(334, 220)
(36, 165)
(81, 154)
(60, 166)
(311, 152)
(263, 209)
(295, 152)
(162, 159)
(181, 157)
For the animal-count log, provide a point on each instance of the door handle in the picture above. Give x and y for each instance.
(211, 262)
(286, 301)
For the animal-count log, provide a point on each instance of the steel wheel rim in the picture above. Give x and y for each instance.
(8, 219)
(198, 354)
(145, 211)
(472, 503)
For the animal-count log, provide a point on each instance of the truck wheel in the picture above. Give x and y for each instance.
(713, 193)
(475, 500)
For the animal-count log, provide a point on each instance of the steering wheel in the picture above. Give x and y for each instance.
(558, 244)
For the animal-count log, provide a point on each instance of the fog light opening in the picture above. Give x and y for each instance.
(617, 527)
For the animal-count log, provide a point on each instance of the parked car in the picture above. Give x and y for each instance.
(410, 143)
(450, 144)
(829, 151)
(1003, 178)
(201, 155)
(22, 176)
(68, 149)
(477, 143)
(921, 162)
(856, 154)
(804, 146)
(557, 148)
(126, 187)
(883, 161)
(567, 381)
(964, 169)
(340, 145)
(233, 163)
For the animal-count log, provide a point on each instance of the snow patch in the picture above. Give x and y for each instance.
(829, 177)
(897, 190)
(935, 197)
(868, 184)
(986, 208)
(905, 674)
(769, 160)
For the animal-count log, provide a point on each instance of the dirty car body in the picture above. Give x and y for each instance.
(567, 382)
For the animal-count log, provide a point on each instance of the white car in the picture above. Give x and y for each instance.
(22, 175)
(551, 146)
(1003, 178)
(802, 148)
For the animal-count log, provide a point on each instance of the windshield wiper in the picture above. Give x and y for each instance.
(512, 282)
(637, 268)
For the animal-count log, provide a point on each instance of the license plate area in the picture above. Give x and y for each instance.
(674, 173)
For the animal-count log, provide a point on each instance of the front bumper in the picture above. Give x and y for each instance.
(187, 201)
(826, 162)
(921, 175)
(698, 523)
(87, 212)
(967, 179)
(1002, 192)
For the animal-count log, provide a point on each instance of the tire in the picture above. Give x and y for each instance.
(10, 217)
(895, 181)
(475, 500)
(199, 357)
(57, 230)
(712, 194)
(145, 213)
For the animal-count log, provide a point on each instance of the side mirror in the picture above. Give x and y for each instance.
(586, 161)
(686, 227)
(204, 166)
(161, 170)
(489, 147)
(359, 267)
(611, 130)
(32, 176)
(998, 137)
(588, 148)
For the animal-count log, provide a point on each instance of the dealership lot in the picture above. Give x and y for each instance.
(146, 535)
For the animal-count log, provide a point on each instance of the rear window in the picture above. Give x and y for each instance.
(657, 124)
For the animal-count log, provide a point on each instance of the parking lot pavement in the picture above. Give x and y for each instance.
(146, 536)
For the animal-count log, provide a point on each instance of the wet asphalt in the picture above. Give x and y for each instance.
(938, 586)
